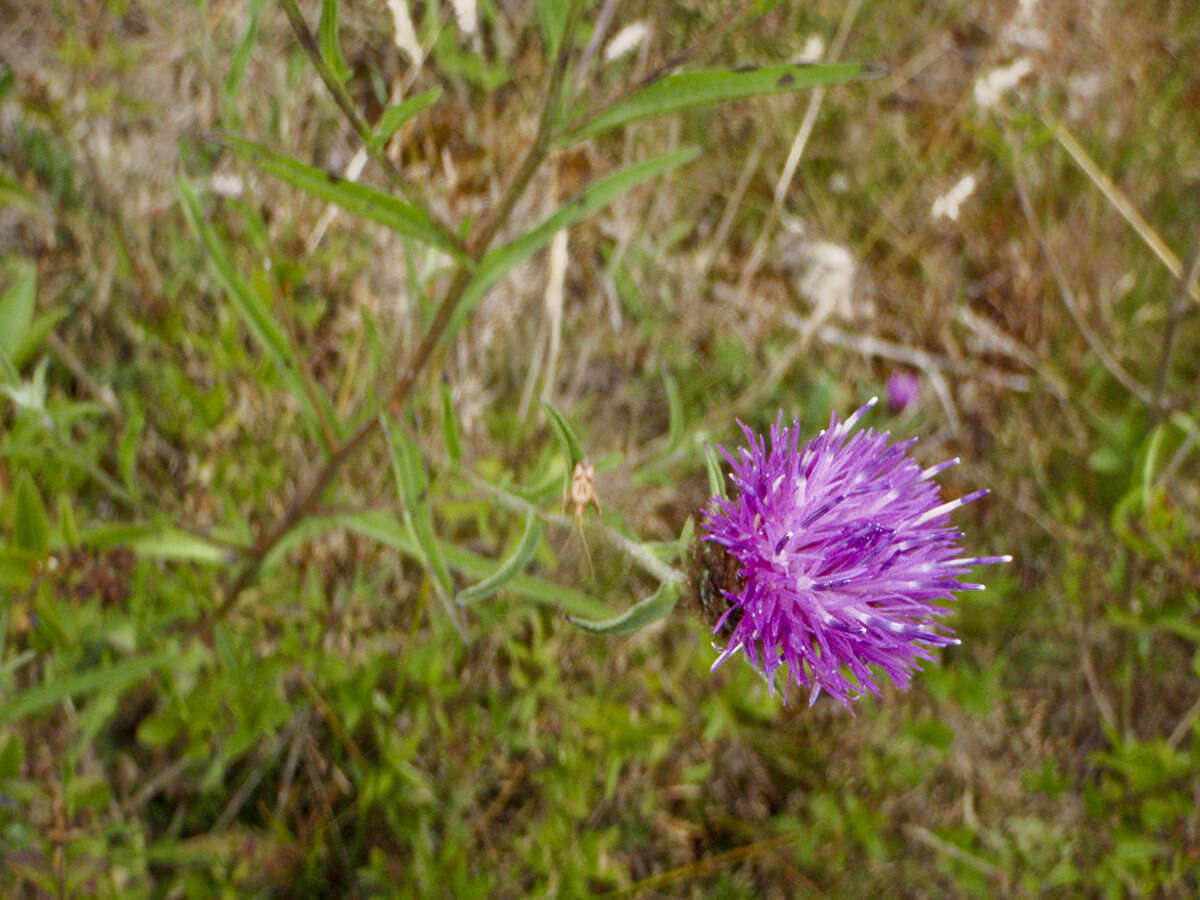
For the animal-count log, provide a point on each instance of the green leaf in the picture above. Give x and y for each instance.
(35, 335)
(11, 757)
(253, 311)
(408, 466)
(381, 526)
(552, 19)
(17, 566)
(241, 54)
(641, 614)
(28, 395)
(158, 730)
(508, 569)
(16, 309)
(716, 479)
(674, 409)
(110, 679)
(172, 543)
(395, 117)
(688, 90)
(13, 193)
(565, 435)
(498, 262)
(399, 215)
(66, 522)
(127, 449)
(31, 526)
(450, 433)
(327, 38)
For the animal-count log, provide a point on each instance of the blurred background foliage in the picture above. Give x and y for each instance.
(1009, 211)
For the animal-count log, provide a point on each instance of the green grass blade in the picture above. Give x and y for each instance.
(716, 479)
(641, 614)
(113, 679)
(688, 90)
(254, 313)
(450, 434)
(360, 199)
(382, 526)
(16, 309)
(595, 196)
(31, 525)
(675, 410)
(507, 569)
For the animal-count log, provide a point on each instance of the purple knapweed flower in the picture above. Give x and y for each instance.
(844, 549)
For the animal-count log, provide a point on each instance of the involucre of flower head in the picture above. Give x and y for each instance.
(844, 552)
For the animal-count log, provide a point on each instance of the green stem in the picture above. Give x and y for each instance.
(307, 497)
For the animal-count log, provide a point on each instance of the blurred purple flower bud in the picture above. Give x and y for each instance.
(903, 390)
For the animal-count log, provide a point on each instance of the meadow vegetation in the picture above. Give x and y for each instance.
(289, 602)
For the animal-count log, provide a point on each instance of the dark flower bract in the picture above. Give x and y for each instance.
(845, 552)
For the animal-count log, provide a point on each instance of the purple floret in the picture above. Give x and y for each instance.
(846, 551)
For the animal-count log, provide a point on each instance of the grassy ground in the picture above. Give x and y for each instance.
(333, 732)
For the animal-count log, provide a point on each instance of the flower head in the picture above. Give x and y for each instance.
(844, 551)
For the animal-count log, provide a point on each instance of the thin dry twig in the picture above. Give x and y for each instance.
(102, 393)
(1065, 293)
(923, 835)
(1103, 704)
(702, 867)
(795, 154)
(1183, 289)
(1184, 725)
(1119, 201)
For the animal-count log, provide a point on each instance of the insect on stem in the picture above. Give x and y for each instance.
(582, 493)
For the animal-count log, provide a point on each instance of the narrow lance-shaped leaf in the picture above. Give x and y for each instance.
(688, 90)
(450, 433)
(66, 522)
(552, 19)
(384, 527)
(173, 543)
(31, 525)
(240, 57)
(508, 569)
(498, 262)
(250, 308)
(674, 409)
(409, 470)
(716, 479)
(641, 614)
(327, 38)
(565, 435)
(36, 333)
(112, 679)
(360, 199)
(16, 308)
(395, 117)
